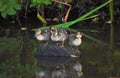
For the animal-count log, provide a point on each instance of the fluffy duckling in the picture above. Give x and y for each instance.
(75, 39)
(58, 35)
(43, 35)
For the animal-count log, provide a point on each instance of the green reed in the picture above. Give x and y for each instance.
(111, 26)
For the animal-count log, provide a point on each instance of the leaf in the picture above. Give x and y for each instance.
(47, 2)
(11, 11)
(3, 14)
(3, 7)
(17, 7)
(1, 3)
(59, 5)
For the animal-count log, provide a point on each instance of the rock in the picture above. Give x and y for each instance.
(50, 62)
(54, 50)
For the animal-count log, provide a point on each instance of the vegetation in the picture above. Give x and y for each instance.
(9, 7)
(17, 52)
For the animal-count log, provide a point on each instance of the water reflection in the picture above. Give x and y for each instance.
(59, 67)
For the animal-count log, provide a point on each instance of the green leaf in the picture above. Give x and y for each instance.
(1, 3)
(59, 5)
(3, 14)
(47, 2)
(11, 11)
(3, 7)
(17, 7)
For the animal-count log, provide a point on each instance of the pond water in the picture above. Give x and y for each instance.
(97, 60)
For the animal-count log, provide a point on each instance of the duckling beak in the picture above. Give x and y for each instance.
(38, 33)
(73, 56)
(52, 28)
(79, 35)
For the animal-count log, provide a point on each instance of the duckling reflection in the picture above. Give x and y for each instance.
(42, 74)
(76, 69)
(59, 73)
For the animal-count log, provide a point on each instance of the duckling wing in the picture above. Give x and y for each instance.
(63, 34)
(46, 33)
(71, 38)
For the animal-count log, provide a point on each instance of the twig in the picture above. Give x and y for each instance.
(68, 11)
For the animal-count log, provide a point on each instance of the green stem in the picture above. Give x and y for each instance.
(111, 26)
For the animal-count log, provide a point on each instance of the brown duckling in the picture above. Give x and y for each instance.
(58, 35)
(42, 35)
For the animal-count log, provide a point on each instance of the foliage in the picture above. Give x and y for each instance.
(35, 3)
(9, 7)
(4, 75)
(9, 44)
(12, 67)
(81, 18)
(16, 69)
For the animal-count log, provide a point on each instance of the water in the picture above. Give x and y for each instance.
(96, 60)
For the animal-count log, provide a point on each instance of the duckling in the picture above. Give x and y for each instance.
(58, 35)
(55, 36)
(75, 39)
(63, 36)
(43, 35)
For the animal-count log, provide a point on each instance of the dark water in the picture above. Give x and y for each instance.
(96, 60)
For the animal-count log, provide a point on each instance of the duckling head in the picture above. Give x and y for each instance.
(37, 32)
(79, 35)
(53, 27)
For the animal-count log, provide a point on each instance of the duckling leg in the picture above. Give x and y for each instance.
(47, 43)
(77, 49)
(62, 44)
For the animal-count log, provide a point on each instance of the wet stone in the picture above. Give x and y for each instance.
(54, 50)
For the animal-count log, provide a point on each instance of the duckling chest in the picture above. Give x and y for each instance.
(55, 38)
(77, 42)
(40, 37)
